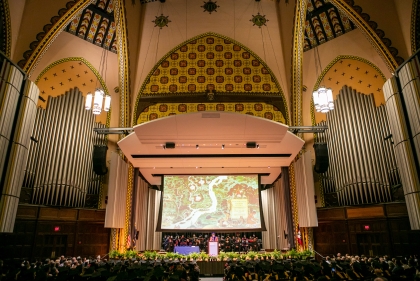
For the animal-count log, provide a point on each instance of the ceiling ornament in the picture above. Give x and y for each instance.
(96, 24)
(259, 20)
(210, 6)
(161, 21)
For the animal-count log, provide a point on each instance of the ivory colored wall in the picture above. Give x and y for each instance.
(403, 9)
(189, 20)
(384, 13)
(16, 8)
(36, 14)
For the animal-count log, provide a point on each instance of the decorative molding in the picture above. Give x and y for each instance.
(415, 26)
(141, 96)
(123, 61)
(297, 60)
(6, 29)
(293, 202)
(375, 36)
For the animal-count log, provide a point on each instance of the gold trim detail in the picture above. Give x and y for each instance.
(293, 201)
(413, 26)
(371, 35)
(189, 41)
(52, 34)
(8, 27)
(123, 68)
(298, 40)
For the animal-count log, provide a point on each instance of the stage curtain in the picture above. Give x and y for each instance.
(117, 192)
(145, 213)
(276, 216)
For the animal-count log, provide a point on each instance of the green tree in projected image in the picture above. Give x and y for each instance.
(207, 202)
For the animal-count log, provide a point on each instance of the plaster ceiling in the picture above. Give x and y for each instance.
(198, 139)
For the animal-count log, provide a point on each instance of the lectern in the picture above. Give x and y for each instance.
(213, 248)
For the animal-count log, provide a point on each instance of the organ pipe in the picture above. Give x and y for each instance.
(362, 164)
(18, 98)
(402, 95)
(60, 169)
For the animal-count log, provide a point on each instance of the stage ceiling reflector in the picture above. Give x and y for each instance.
(211, 143)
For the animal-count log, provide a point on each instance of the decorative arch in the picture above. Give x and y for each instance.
(5, 29)
(355, 72)
(67, 73)
(214, 70)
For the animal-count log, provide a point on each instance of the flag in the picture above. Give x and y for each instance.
(299, 238)
(128, 241)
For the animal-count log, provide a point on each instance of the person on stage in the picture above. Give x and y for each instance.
(213, 237)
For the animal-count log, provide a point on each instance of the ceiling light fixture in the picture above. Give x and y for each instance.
(196, 146)
(223, 146)
(323, 97)
(99, 96)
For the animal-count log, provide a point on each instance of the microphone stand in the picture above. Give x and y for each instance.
(318, 254)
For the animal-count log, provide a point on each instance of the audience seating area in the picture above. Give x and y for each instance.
(329, 268)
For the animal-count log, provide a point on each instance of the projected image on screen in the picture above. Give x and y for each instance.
(211, 202)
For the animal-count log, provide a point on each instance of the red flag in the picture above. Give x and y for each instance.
(299, 238)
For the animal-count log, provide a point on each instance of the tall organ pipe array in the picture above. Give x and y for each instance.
(59, 167)
(362, 163)
(18, 99)
(402, 95)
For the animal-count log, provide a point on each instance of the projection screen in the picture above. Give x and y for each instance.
(211, 202)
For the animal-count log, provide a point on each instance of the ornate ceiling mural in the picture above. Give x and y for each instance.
(66, 74)
(96, 25)
(210, 63)
(324, 22)
(212, 68)
(355, 72)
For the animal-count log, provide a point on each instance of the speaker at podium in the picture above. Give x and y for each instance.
(213, 248)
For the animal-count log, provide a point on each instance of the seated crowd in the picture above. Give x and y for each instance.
(64, 269)
(335, 268)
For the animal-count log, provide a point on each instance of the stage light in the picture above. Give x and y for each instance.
(223, 146)
(196, 146)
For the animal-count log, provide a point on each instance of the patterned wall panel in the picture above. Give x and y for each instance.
(212, 63)
(160, 110)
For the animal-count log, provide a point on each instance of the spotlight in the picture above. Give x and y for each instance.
(258, 146)
(170, 145)
(251, 145)
(164, 146)
(223, 146)
(196, 146)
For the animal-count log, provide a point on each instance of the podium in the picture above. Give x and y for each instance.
(213, 248)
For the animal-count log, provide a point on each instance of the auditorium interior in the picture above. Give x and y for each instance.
(124, 123)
